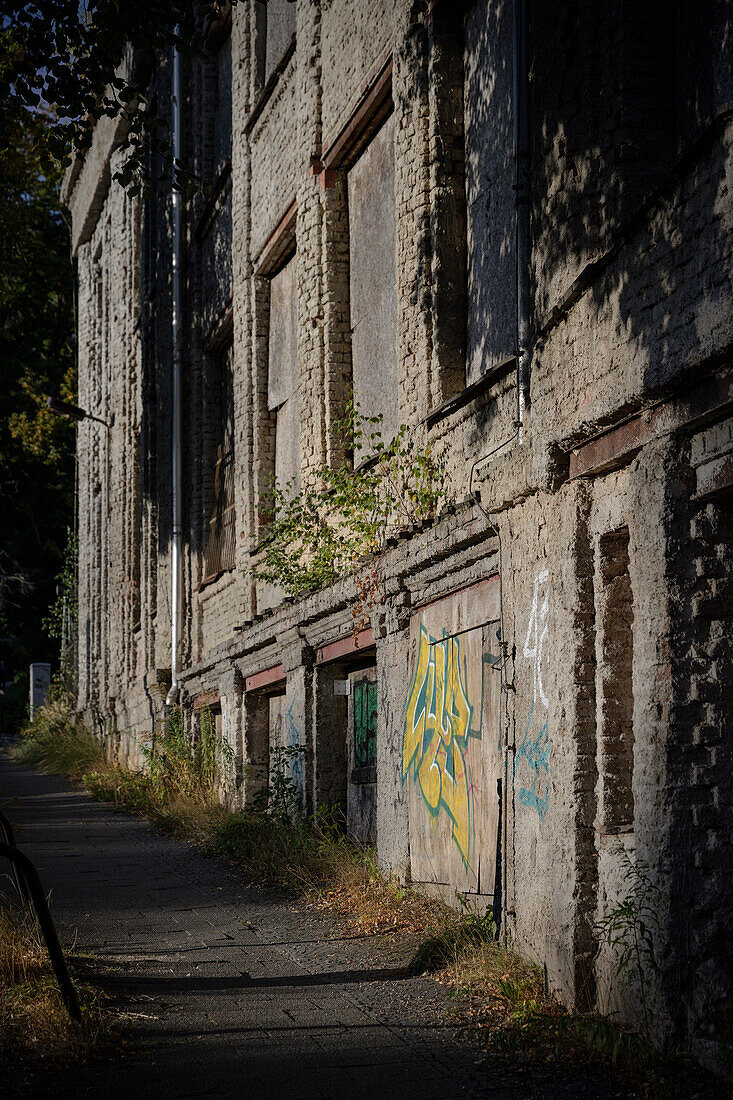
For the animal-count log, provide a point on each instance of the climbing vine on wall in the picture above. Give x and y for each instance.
(376, 491)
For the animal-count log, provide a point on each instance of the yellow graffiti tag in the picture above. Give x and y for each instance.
(437, 726)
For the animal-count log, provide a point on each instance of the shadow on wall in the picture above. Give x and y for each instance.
(631, 188)
(617, 95)
(614, 94)
(617, 92)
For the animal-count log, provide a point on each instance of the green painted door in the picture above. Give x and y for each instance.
(365, 723)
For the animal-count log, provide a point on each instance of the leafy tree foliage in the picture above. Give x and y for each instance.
(36, 357)
(82, 62)
(350, 511)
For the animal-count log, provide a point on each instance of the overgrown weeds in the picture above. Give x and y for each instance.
(379, 488)
(497, 996)
(316, 861)
(502, 1002)
(176, 787)
(35, 1029)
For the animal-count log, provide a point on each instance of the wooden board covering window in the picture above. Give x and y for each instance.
(220, 547)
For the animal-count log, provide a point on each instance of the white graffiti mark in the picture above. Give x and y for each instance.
(535, 750)
(534, 643)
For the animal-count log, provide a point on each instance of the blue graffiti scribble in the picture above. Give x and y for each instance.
(296, 758)
(537, 754)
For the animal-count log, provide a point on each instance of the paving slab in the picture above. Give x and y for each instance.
(235, 990)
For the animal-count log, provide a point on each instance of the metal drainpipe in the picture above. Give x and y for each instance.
(176, 335)
(521, 186)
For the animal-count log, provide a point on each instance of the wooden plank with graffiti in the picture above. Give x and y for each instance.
(451, 750)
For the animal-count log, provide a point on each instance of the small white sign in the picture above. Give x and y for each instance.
(40, 681)
(342, 687)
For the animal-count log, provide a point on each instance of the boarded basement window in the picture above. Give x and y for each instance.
(255, 763)
(373, 280)
(282, 376)
(361, 796)
(617, 688)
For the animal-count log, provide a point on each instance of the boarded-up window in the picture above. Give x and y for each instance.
(489, 162)
(373, 281)
(223, 113)
(282, 375)
(220, 536)
(216, 259)
(275, 27)
(215, 230)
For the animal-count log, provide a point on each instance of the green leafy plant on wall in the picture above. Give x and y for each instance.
(281, 798)
(377, 490)
(629, 930)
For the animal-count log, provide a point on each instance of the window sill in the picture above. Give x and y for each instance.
(214, 577)
(470, 393)
(266, 93)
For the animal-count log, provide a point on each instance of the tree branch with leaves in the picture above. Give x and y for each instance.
(351, 509)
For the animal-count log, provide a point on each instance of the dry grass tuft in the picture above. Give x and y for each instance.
(22, 957)
(35, 1030)
(317, 862)
(56, 741)
(501, 995)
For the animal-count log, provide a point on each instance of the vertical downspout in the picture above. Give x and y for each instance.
(176, 335)
(520, 113)
(521, 189)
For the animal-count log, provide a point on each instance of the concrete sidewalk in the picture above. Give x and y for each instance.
(238, 992)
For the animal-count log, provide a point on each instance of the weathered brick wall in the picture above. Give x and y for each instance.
(601, 139)
(698, 755)
(109, 502)
(276, 159)
(354, 37)
(632, 305)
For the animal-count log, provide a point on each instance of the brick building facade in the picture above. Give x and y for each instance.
(543, 695)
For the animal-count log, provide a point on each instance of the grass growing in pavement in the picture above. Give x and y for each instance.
(499, 997)
(175, 790)
(35, 1029)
